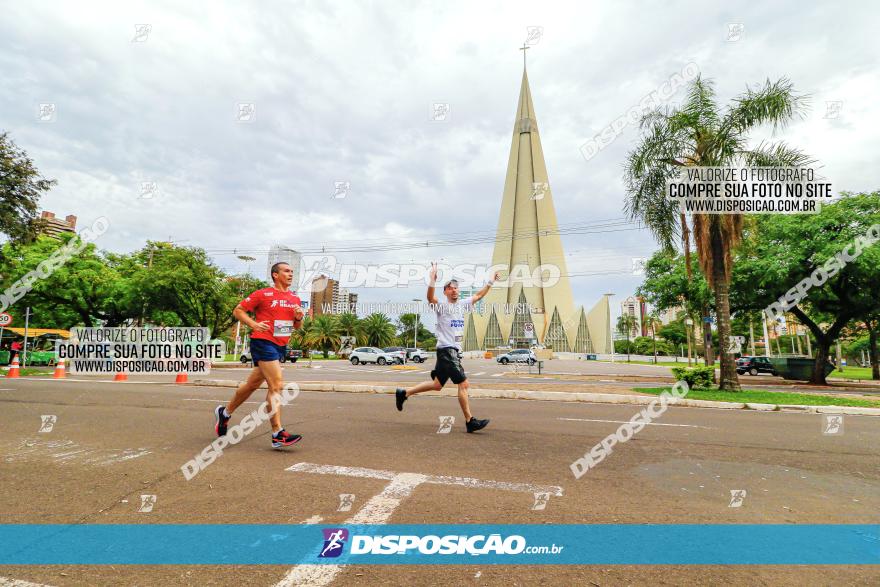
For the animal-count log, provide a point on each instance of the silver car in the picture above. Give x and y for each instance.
(518, 356)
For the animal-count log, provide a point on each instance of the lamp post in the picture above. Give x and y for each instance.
(247, 260)
(416, 331)
(610, 330)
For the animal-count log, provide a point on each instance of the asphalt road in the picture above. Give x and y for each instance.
(562, 373)
(113, 442)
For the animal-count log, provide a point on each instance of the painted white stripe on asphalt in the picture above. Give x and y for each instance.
(7, 582)
(498, 375)
(627, 422)
(478, 374)
(377, 510)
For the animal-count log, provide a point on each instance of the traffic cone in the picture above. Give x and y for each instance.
(120, 377)
(59, 370)
(181, 378)
(14, 368)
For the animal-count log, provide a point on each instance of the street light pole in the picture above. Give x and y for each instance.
(247, 260)
(416, 332)
(610, 328)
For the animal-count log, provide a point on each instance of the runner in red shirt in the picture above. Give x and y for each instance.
(278, 313)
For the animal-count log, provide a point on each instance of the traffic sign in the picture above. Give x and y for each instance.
(5, 319)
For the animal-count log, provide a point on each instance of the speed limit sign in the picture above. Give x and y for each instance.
(5, 319)
(529, 330)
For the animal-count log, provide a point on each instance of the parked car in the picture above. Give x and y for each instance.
(399, 353)
(416, 355)
(755, 365)
(518, 356)
(292, 355)
(370, 354)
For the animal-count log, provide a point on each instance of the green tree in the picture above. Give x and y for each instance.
(185, 283)
(83, 289)
(323, 333)
(652, 321)
(783, 250)
(699, 134)
(378, 330)
(406, 325)
(625, 325)
(21, 187)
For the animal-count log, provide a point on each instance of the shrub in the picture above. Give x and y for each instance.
(696, 377)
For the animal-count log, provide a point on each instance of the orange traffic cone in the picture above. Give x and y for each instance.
(14, 368)
(181, 378)
(120, 377)
(59, 370)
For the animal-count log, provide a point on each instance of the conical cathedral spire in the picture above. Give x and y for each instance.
(528, 244)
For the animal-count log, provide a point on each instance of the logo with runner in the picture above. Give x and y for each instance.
(334, 540)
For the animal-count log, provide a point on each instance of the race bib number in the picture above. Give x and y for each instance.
(283, 328)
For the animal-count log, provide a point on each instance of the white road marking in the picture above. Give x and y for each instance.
(7, 582)
(497, 374)
(478, 374)
(64, 451)
(379, 508)
(627, 422)
(313, 520)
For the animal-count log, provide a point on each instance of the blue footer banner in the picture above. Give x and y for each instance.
(503, 544)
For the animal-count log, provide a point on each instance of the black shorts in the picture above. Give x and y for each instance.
(448, 366)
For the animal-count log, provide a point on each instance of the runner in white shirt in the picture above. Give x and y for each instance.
(450, 327)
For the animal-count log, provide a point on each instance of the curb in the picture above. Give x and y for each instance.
(571, 396)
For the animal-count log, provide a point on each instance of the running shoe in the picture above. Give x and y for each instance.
(220, 420)
(473, 424)
(284, 439)
(400, 396)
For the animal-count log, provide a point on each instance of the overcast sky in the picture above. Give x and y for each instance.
(343, 91)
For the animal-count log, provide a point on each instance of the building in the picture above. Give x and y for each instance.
(636, 307)
(323, 296)
(282, 254)
(527, 313)
(669, 315)
(344, 301)
(51, 226)
(328, 298)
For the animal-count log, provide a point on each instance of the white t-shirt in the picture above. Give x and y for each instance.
(450, 322)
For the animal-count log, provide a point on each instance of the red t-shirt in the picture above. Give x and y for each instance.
(275, 307)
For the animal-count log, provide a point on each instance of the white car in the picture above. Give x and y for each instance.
(369, 354)
(518, 356)
(417, 355)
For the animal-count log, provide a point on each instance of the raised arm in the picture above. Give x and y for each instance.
(432, 282)
(480, 294)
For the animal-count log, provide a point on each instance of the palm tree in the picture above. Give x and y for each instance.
(698, 133)
(652, 320)
(625, 325)
(350, 325)
(323, 333)
(378, 330)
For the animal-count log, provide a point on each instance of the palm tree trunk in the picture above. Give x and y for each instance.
(654, 344)
(872, 350)
(729, 380)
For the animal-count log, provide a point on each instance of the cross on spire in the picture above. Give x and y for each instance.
(524, 48)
